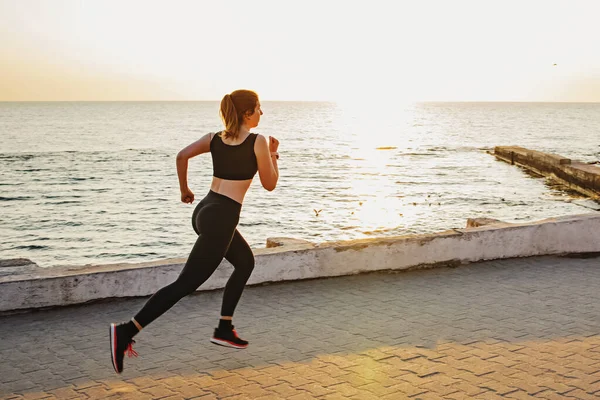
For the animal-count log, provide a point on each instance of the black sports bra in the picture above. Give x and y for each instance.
(234, 162)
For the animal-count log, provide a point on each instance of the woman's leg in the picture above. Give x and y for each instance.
(240, 255)
(202, 262)
(217, 226)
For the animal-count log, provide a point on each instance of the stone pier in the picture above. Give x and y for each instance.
(579, 176)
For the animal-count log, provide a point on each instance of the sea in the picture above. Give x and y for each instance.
(95, 182)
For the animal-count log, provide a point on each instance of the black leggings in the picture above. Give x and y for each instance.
(214, 220)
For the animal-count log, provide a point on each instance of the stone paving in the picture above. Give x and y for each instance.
(521, 328)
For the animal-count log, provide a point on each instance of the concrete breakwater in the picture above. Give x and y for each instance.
(23, 285)
(581, 177)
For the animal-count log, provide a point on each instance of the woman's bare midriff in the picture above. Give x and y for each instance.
(235, 190)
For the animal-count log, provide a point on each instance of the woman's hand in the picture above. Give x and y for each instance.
(187, 196)
(273, 144)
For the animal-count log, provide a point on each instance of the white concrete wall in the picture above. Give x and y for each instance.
(45, 287)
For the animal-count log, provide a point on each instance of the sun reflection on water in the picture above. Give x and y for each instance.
(376, 135)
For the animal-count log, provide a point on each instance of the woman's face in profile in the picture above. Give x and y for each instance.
(254, 119)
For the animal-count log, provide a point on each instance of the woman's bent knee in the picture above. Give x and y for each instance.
(248, 267)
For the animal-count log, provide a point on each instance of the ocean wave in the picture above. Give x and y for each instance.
(47, 196)
(123, 256)
(30, 247)
(381, 230)
(412, 183)
(16, 157)
(416, 154)
(457, 149)
(69, 223)
(59, 153)
(15, 198)
(83, 179)
(431, 183)
(247, 224)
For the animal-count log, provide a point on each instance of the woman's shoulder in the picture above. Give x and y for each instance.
(212, 135)
(259, 137)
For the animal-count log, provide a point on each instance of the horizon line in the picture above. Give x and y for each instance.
(298, 101)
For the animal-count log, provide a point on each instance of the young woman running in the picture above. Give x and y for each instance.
(237, 155)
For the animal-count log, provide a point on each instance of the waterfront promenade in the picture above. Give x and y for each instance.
(515, 328)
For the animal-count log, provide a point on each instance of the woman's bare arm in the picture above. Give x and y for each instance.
(200, 146)
(267, 164)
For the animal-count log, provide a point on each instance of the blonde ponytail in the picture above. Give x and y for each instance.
(230, 118)
(233, 108)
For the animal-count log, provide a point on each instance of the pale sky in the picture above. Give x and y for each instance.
(416, 50)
